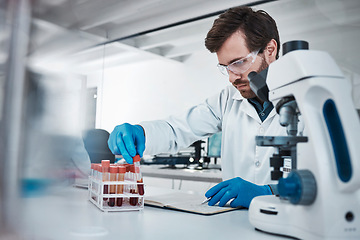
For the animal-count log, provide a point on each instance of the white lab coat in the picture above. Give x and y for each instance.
(239, 122)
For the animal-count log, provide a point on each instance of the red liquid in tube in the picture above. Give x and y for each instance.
(140, 187)
(133, 190)
(138, 176)
(120, 187)
(113, 173)
(105, 175)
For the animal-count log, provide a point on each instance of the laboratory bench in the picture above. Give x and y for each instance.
(182, 173)
(68, 214)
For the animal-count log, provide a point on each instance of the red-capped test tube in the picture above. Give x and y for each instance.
(92, 170)
(113, 173)
(138, 175)
(92, 183)
(127, 177)
(133, 189)
(105, 166)
(120, 187)
(127, 173)
(95, 172)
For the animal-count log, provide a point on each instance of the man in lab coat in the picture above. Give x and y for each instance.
(244, 40)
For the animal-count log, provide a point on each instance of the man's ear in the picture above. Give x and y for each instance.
(270, 51)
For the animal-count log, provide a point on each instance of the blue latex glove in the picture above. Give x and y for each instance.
(238, 189)
(127, 140)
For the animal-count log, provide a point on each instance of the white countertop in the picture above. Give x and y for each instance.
(205, 175)
(69, 214)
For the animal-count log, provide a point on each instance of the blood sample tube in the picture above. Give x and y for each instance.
(127, 177)
(112, 189)
(133, 189)
(91, 182)
(99, 171)
(92, 171)
(105, 175)
(138, 175)
(96, 171)
(127, 174)
(120, 187)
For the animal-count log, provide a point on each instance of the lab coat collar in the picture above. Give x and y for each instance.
(271, 114)
(237, 96)
(249, 109)
(246, 107)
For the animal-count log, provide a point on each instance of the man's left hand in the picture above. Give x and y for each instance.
(238, 189)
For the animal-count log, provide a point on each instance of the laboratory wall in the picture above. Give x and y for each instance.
(154, 89)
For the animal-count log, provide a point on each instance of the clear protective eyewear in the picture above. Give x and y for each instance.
(239, 66)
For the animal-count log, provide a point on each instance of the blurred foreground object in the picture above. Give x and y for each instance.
(15, 24)
(41, 149)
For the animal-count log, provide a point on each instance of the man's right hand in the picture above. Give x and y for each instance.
(127, 140)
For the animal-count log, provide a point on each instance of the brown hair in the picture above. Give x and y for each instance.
(258, 26)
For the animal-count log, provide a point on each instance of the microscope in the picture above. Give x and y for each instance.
(319, 198)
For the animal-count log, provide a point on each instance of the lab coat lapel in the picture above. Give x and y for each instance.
(246, 107)
(271, 114)
(249, 109)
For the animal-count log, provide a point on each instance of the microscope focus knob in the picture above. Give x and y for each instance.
(299, 187)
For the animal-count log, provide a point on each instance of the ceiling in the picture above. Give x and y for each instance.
(133, 30)
(174, 30)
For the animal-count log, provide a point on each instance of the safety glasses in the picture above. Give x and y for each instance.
(239, 66)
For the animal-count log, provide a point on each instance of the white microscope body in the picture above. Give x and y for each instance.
(331, 154)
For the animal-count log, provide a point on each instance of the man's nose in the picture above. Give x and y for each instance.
(233, 77)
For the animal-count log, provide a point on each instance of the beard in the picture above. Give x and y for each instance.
(246, 92)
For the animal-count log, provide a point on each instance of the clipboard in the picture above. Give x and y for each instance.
(186, 202)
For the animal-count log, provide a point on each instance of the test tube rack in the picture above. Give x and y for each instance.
(128, 200)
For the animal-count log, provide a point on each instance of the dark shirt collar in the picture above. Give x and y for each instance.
(262, 110)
